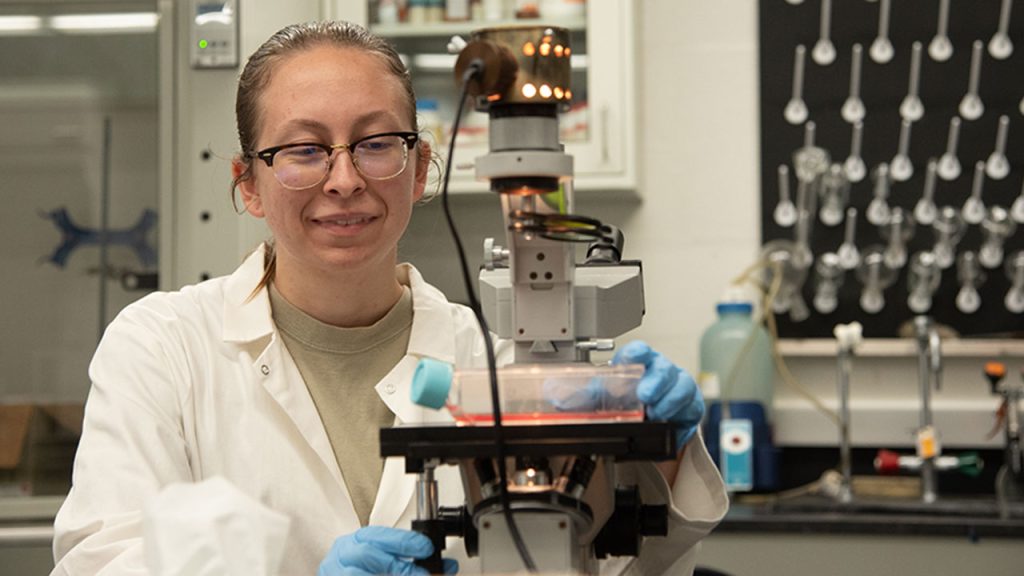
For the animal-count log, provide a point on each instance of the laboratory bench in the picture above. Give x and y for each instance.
(963, 532)
(806, 535)
(971, 518)
(814, 536)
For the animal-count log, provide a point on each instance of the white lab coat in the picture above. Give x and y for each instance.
(197, 383)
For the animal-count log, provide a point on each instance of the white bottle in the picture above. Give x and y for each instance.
(430, 121)
(494, 10)
(735, 356)
(387, 12)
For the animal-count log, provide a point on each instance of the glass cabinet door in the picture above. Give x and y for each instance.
(78, 105)
(597, 130)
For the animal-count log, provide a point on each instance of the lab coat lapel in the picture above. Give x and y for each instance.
(396, 486)
(432, 335)
(284, 383)
(248, 322)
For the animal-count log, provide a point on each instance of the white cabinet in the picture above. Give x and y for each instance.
(599, 131)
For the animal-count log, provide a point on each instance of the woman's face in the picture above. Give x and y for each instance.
(348, 222)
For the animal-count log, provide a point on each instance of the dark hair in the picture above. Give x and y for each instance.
(260, 66)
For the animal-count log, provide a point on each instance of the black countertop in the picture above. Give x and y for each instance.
(973, 518)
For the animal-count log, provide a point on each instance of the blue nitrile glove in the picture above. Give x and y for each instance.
(668, 391)
(375, 550)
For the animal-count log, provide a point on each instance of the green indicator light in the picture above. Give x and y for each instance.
(203, 43)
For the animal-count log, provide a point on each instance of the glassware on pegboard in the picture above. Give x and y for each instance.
(878, 209)
(848, 254)
(786, 273)
(835, 193)
(971, 277)
(1015, 272)
(923, 279)
(785, 211)
(796, 109)
(897, 233)
(997, 166)
(925, 209)
(881, 50)
(949, 163)
(875, 277)
(824, 51)
(995, 228)
(912, 108)
(853, 110)
(854, 166)
(973, 210)
(1000, 46)
(949, 228)
(1017, 209)
(941, 47)
(971, 106)
(828, 278)
(901, 168)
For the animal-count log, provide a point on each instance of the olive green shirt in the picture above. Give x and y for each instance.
(341, 367)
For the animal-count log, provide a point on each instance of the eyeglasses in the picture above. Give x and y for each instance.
(306, 164)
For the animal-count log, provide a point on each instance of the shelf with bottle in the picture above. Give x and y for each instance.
(404, 29)
(399, 18)
(437, 99)
(598, 130)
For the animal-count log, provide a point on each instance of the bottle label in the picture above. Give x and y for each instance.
(709, 385)
(928, 443)
(736, 441)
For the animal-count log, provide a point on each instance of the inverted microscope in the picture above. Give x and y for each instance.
(537, 470)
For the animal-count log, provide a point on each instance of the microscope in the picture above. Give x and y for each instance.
(542, 485)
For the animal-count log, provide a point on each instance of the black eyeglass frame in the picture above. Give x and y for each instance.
(410, 139)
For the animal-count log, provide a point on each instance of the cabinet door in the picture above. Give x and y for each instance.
(598, 131)
(81, 208)
(606, 159)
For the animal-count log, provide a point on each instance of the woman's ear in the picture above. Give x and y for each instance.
(242, 174)
(423, 157)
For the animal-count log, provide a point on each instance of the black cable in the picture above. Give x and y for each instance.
(475, 68)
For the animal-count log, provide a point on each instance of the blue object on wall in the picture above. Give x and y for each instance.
(73, 236)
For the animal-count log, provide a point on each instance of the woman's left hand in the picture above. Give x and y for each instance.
(669, 392)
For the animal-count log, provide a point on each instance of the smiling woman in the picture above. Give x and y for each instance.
(347, 224)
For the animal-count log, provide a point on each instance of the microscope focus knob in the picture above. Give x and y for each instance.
(654, 520)
(623, 533)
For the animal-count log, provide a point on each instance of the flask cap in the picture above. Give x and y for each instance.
(735, 307)
(431, 383)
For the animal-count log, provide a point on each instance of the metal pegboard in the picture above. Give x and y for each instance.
(883, 87)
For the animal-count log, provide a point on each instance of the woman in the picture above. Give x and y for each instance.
(279, 376)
